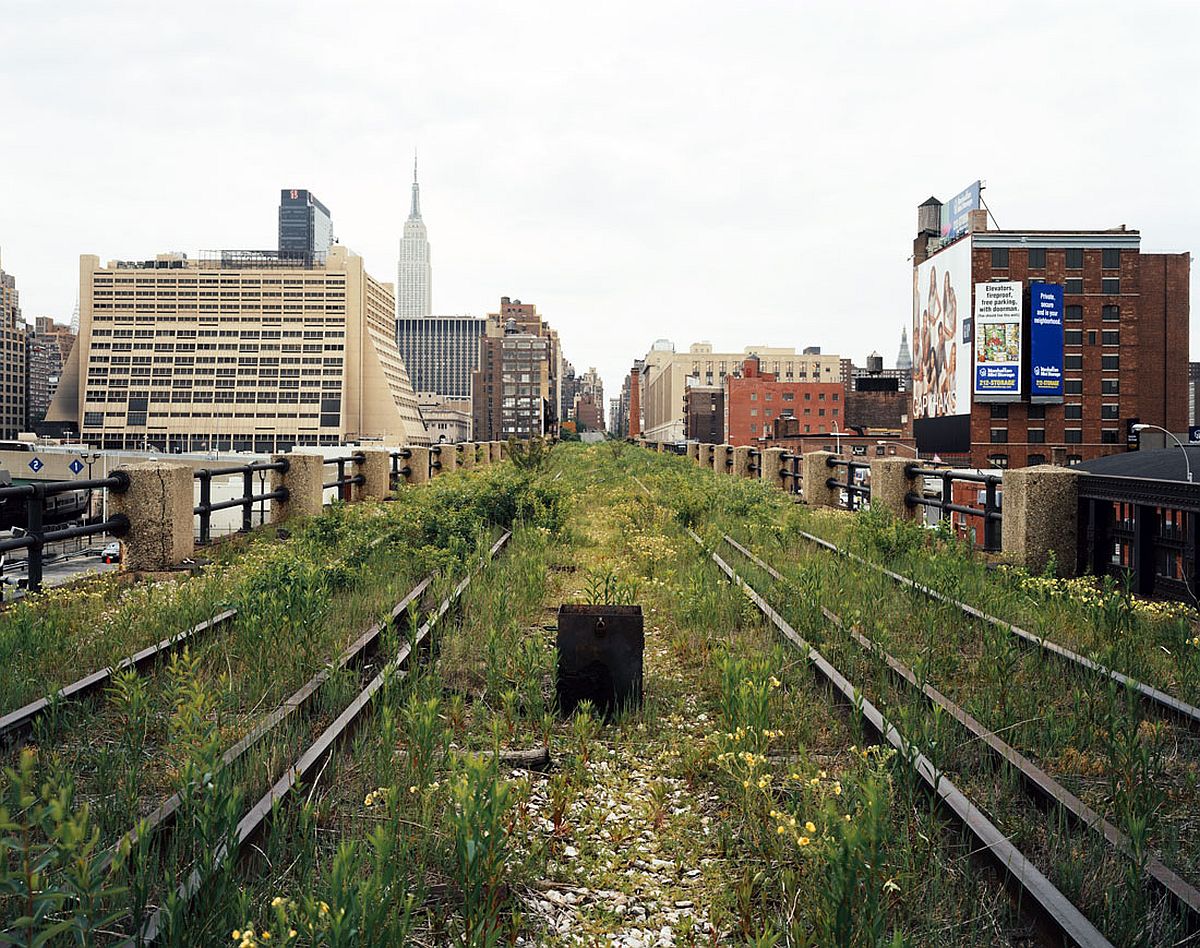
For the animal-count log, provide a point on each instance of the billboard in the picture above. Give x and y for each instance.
(1045, 342)
(998, 342)
(942, 333)
(955, 211)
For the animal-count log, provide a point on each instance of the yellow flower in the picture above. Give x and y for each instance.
(237, 935)
(775, 682)
(810, 826)
(803, 841)
(837, 788)
(277, 901)
(780, 830)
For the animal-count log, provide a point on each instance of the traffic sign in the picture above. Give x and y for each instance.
(76, 466)
(36, 465)
(1194, 433)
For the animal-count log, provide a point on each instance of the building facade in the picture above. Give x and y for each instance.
(414, 272)
(511, 392)
(704, 414)
(446, 419)
(240, 350)
(305, 225)
(589, 413)
(13, 410)
(1194, 393)
(440, 352)
(755, 399)
(48, 348)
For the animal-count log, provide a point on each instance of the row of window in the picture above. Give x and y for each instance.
(1108, 337)
(1070, 436)
(791, 396)
(1110, 258)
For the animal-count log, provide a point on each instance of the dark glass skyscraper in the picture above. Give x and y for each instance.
(441, 352)
(304, 223)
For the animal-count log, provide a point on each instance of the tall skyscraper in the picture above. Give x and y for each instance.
(12, 359)
(305, 226)
(904, 357)
(414, 275)
(47, 350)
(441, 352)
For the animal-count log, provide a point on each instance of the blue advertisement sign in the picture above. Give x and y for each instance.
(955, 211)
(1045, 341)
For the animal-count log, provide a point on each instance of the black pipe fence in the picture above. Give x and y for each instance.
(1143, 531)
(792, 471)
(857, 493)
(206, 508)
(989, 513)
(400, 472)
(36, 536)
(342, 482)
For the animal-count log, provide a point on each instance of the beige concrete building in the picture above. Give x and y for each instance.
(665, 376)
(446, 419)
(238, 350)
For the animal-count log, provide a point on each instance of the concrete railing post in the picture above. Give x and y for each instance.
(436, 465)
(743, 459)
(817, 493)
(772, 466)
(158, 505)
(721, 454)
(303, 480)
(694, 451)
(449, 458)
(1041, 517)
(376, 469)
(466, 455)
(418, 466)
(706, 455)
(891, 485)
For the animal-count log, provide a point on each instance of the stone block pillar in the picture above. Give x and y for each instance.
(890, 485)
(743, 459)
(303, 480)
(496, 451)
(694, 451)
(418, 465)
(376, 467)
(772, 464)
(817, 493)
(159, 505)
(1041, 517)
(722, 453)
(466, 457)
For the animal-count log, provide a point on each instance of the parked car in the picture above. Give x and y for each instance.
(111, 552)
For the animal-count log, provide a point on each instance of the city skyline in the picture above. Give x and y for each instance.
(665, 185)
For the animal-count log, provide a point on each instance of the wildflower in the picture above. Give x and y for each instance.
(804, 841)
(837, 788)
(278, 900)
(237, 935)
(810, 826)
(413, 788)
(780, 830)
(775, 682)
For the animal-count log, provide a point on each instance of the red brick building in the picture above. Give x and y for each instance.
(755, 400)
(704, 414)
(588, 414)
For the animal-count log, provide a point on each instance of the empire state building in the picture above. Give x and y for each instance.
(414, 276)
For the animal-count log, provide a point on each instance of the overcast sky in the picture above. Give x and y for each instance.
(746, 173)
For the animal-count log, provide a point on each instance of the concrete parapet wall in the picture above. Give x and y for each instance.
(720, 456)
(772, 464)
(303, 480)
(376, 468)
(1041, 517)
(466, 456)
(890, 485)
(497, 451)
(693, 449)
(418, 466)
(743, 460)
(817, 493)
(159, 505)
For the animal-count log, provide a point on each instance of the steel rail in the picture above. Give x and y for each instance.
(310, 761)
(356, 654)
(1161, 700)
(17, 723)
(1053, 906)
(1185, 895)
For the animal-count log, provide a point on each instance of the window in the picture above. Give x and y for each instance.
(753, 412)
(998, 460)
(1073, 362)
(999, 436)
(1111, 258)
(999, 258)
(1073, 459)
(1111, 312)
(1073, 337)
(999, 411)
(1074, 285)
(1074, 313)
(1110, 362)
(1072, 411)
(1072, 386)
(1091, 337)
(1037, 436)
(93, 419)
(1110, 412)
(1111, 337)
(1108, 436)
(1037, 258)
(1110, 285)
(754, 429)
(1037, 411)
(1035, 459)
(1073, 436)
(1075, 258)
(1110, 387)
(754, 396)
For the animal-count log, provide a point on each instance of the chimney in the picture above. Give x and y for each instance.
(635, 403)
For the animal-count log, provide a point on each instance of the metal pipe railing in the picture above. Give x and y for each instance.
(206, 508)
(990, 513)
(342, 482)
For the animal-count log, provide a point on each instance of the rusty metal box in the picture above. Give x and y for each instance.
(600, 651)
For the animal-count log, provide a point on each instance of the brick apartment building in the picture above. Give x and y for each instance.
(754, 400)
(704, 414)
(1125, 343)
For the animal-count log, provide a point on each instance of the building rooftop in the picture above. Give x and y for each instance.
(1161, 464)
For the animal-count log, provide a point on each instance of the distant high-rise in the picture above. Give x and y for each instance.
(414, 275)
(440, 352)
(48, 347)
(12, 359)
(305, 226)
(904, 358)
